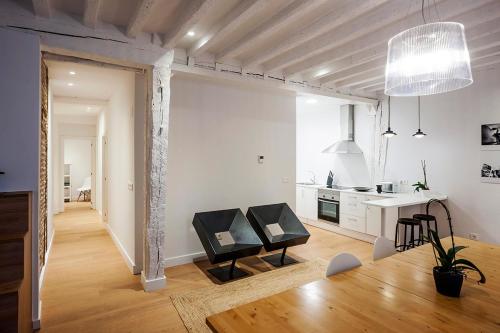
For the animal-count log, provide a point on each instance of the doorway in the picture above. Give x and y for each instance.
(94, 114)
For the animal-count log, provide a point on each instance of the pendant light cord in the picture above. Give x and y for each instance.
(419, 113)
(389, 113)
(423, 16)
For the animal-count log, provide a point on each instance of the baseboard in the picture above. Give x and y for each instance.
(154, 284)
(184, 259)
(36, 324)
(130, 263)
(47, 254)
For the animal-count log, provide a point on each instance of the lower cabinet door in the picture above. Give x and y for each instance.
(374, 221)
(353, 223)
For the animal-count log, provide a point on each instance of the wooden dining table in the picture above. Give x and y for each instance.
(395, 294)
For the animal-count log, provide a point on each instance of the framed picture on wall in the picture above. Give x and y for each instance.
(490, 136)
(490, 173)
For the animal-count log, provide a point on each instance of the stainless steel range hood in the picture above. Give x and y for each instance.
(346, 145)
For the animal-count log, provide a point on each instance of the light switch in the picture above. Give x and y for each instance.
(260, 159)
(130, 186)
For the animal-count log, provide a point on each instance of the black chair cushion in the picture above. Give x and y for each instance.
(294, 231)
(207, 224)
(408, 221)
(424, 217)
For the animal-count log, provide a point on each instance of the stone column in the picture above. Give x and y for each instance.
(153, 275)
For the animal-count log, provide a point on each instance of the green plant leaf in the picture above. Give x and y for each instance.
(454, 250)
(466, 264)
(436, 243)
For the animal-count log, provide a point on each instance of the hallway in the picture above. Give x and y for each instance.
(89, 288)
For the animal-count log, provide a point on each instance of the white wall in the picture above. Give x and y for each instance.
(216, 132)
(119, 129)
(62, 130)
(452, 151)
(78, 153)
(318, 126)
(100, 133)
(19, 125)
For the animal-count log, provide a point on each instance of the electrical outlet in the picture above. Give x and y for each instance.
(473, 236)
(285, 180)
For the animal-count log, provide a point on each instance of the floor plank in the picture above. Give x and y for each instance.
(88, 287)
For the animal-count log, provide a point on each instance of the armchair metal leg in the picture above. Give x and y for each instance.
(228, 272)
(279, 259)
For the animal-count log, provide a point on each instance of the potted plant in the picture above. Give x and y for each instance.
(419, 186)
(449, 271)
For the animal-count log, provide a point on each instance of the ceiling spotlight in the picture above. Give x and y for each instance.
(191, 33)
(311, 101)
(72, 73)
(70, 84)
(89, 109)
(321, 72)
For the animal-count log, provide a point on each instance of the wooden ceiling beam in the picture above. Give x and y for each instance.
(486, 61)
(338, 16)
(42, 8)
(91, 13)
(192, 13)
(284, 17)
(237, 16)
(378, 39)
(358, 63)
(140, 17)
(353, 71)
(379, 17)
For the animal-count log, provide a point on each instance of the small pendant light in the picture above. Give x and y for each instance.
(419, 134)
(389, 133)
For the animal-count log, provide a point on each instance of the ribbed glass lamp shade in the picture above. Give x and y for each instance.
(428, 59)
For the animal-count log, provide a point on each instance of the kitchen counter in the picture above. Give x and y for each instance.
(403, 200)
(390, 200)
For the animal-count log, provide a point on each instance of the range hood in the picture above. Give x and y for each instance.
(346, 145)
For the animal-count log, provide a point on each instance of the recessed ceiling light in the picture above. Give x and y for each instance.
(322, 72)
(311, 101)
(72, 72)
(89, 109)
(191, 33)
(70, 84)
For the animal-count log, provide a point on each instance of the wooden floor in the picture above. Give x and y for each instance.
(88, 287)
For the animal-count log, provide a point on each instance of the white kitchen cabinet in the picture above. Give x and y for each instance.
(374, 221)
(355, 223)
(306, 199)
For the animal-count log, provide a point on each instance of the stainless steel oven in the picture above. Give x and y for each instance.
(329, 205)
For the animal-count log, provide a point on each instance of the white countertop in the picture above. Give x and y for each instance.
(403, 200)
(389, 200)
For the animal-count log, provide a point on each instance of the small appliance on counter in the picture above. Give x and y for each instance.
(330, 180)
(389, 187)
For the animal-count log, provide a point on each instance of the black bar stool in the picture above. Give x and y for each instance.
(428, 219)
(411, 223)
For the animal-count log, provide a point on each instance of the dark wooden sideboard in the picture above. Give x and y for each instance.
(15, 262)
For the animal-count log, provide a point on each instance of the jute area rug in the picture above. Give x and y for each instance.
(195, 306)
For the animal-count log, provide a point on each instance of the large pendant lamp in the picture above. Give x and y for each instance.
(428, 59)
(389, 133)
(419, 134)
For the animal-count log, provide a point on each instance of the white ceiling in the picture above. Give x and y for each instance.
(338, 44)
(91, 87)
